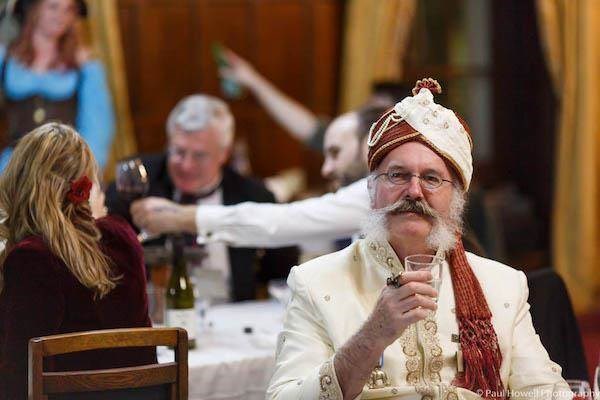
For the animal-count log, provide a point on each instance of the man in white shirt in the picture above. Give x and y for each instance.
(332, 216)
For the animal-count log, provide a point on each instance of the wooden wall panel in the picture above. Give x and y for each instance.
(327, 22)
(286, 59)
(295, 43)
(224, 22)
(158, 72)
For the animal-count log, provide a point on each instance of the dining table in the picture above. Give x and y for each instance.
(235, 348)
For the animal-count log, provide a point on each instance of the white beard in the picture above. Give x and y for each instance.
(443, 234)
(375, 226)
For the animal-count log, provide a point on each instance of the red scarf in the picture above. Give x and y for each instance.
(478, 341)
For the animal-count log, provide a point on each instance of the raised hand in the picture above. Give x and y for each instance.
(239, 70)
(399, 307)
(156, 215)
(396, 308)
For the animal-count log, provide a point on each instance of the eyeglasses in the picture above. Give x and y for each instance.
(428, 181)
(179, 154)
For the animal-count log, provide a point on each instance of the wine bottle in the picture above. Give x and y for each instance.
(180, 295)
(230, 88)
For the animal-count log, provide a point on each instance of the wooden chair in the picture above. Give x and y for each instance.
(154, 381)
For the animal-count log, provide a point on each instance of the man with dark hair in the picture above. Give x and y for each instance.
(345, 145)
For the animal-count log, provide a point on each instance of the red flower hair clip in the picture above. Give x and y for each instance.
(80, 190)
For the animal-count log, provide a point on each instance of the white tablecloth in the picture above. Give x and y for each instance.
(228, 363)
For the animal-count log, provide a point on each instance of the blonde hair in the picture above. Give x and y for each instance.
(33, 201)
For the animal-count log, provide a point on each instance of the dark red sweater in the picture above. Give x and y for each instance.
(41, 297)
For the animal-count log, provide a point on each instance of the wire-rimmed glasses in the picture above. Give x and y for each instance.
(429, 181)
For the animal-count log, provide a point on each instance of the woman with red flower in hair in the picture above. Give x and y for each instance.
(62, 269)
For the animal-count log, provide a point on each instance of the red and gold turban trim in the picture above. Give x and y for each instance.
(419, 118)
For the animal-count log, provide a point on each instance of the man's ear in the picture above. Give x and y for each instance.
(225, 155)
(364, 149)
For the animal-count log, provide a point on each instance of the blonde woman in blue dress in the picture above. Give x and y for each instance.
(46, 74)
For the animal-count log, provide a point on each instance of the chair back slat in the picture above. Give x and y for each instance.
(181, 358)
(160, 392)
(108, 379)
(171, 376)
(113, 338)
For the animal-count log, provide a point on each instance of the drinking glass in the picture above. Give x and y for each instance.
(202, 303)
(426, 262)
(156, 304)
(580, 389)
(131, 179)
(132, 183)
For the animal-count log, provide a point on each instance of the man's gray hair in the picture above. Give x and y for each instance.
(199, 112)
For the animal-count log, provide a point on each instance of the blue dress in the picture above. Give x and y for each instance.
(94, 120)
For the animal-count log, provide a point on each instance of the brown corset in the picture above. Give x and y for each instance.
(24, 115)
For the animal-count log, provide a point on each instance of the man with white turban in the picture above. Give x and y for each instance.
(359, 326)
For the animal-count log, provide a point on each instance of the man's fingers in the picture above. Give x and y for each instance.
(139, 220)
(230, 56)
(140, 210)
(418, 276)
(227, 73)
(405, 305)
(417, 301)
(139, 206)
(414, 315)
(137, 211)
(411, 288)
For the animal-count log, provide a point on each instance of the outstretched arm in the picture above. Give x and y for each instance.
(290, 114)
(331, 216)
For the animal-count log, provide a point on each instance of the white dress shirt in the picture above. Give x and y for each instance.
(212, 276)
(331, 216)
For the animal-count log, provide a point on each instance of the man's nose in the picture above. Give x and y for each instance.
(414, 190)
(187, 162)
(327, 169)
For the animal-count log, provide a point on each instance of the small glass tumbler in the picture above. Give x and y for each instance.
(426, 262)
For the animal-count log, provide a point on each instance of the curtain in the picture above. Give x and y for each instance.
(106, 38)
(375, 39)
(569, 31)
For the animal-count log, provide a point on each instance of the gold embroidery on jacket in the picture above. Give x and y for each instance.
(432, 350)
(328, 387)
(408, 341)
(423, 353)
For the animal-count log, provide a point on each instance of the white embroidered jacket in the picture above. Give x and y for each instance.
(333, 295)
